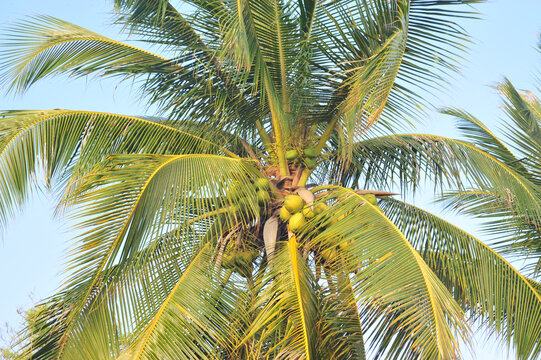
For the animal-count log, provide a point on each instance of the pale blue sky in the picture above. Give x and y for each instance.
(33, 245)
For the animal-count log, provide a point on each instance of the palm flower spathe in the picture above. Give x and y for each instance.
(233, 225)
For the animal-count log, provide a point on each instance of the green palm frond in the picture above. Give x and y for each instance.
(65, 142)
(525, 134)
(512, 232)
(288, 307)
(45, 45)
(482, 281)
(190, 308)
(476, 132)
(509, 218)
(392, 280)
(129, 202)
(173, 212)
(447, 162)
(387, 52)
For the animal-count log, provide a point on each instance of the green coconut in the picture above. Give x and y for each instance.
(371, 198)
(310, 152)
(293, 203)
(292, 154)
(308, 213)
(296, 222)
(320, 207)
(228, 261)
(263, 197)
(253, 255)
(243, 259)
(310, 163)
(262, 183)
(284, 214)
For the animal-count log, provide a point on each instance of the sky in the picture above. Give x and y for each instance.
(33, 245)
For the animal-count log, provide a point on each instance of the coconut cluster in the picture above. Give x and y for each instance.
(239, 260)
(243, 200)
(294, 211)
(307, 157)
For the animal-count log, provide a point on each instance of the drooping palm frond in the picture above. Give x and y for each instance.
(410, 158)
(43, 46)
(126, 207)
(480, 279)
(392, 280)
(65, 142)
(288, 307)
(511, 219)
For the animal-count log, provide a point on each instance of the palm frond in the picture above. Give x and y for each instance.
(44, 46)
(127, 206)
(405, 307)
(477, 133)
(288, 306)
(481, 280)
(65, 142)
(511, 232)
(524, 110)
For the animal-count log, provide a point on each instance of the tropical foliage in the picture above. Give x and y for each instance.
(252, 219)
(512, 220)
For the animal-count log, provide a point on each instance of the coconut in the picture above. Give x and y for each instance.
(293, 203)
(228, 261)
(296, 222)
(253, 254)
(284, 214)
(308, 213)
(310, 163)
(262, 183)
(263, 197)
(292, 154)
(371, 198)
(310, 152)
(320, 207)
(243, 259)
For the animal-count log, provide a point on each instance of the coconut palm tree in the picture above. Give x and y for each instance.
(252, 217)
(509, 219)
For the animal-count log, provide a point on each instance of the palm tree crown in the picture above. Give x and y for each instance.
(233, 226)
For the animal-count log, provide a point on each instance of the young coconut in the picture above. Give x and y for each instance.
(228, 261)
(310, 152)
(308, 213)
(292, 155)
(310, 163)
(263, 197)
(296, 222)
(293, 203)
(320, 207)
(262, 183)
(284, 214)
